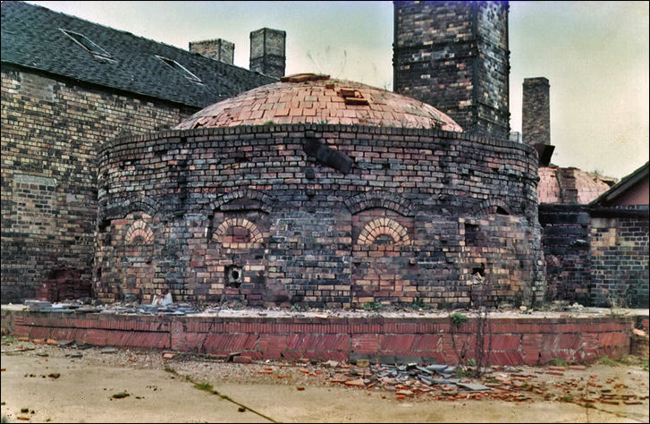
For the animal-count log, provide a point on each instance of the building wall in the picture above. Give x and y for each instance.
(565, 237)
(596, 256)
(52, 130)
(619, 257)
(245, 213)
(454, 56)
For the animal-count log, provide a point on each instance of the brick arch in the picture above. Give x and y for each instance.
(139, 229)
(491, 206)
(266, 201)
(256, 237)
(379, 199)
(138, 204)
(383, 226)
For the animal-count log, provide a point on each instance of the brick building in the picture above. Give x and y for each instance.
(319, 192)
(69, 86)
(339, 196)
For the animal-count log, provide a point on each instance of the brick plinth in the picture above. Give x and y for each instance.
(510, 341)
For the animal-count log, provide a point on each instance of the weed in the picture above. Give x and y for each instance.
(271, 122)
(298, 307)
(625, 360)
(558, 362)
(606, 361)
(458, 319)
(418, 303)
(644, 367)
(203, 386)
(372, 306)
(4, 419)
(462, 372)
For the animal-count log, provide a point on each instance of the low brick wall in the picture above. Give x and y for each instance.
(514, 341)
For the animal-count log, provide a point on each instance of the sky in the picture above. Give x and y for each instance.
(594, 54)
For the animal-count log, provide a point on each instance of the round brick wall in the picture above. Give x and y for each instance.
(319, 215)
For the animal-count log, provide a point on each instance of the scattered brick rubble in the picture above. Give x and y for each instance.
(413, 380)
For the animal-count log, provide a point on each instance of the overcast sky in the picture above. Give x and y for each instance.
(595, 55)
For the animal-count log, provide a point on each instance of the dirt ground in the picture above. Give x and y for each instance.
(48, 383)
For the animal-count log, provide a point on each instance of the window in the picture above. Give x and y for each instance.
(180, 68)
(87, 44)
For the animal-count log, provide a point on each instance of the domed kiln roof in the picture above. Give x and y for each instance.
(310, 98)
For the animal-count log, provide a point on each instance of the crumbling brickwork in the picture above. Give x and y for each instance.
(565, 237)
(454, 56)
(246, 213)
(52, 129)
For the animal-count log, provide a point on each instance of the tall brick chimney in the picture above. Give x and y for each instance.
(268, 52)
(455, 57)
(536, 111)
(221, 50)
(536, 117)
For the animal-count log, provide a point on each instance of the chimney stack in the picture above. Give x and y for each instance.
(268, 52)
(536, 112)
(221, 50)
(536, 117)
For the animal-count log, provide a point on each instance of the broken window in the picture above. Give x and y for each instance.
(179, 68)
(87, 44)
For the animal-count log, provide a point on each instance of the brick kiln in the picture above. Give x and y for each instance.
(319, 192)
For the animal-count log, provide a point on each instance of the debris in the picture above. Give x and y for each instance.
(332, 364)
(475, 387)
(232, 356)
(109, 350)
(363, 363)
(120, 395)
(54, 375)
(638, 332)
(357, 383)
(168, 355)
(577, 367)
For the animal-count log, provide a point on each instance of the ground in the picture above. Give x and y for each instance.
(50, 383)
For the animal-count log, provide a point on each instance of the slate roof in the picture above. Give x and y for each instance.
(622, 187)
(32, 38)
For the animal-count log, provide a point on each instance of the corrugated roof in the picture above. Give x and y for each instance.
(32, 37)
(310, 98)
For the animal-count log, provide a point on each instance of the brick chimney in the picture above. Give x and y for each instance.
(536, 112)
(536, 118)
(268, 52)
(221, 50)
